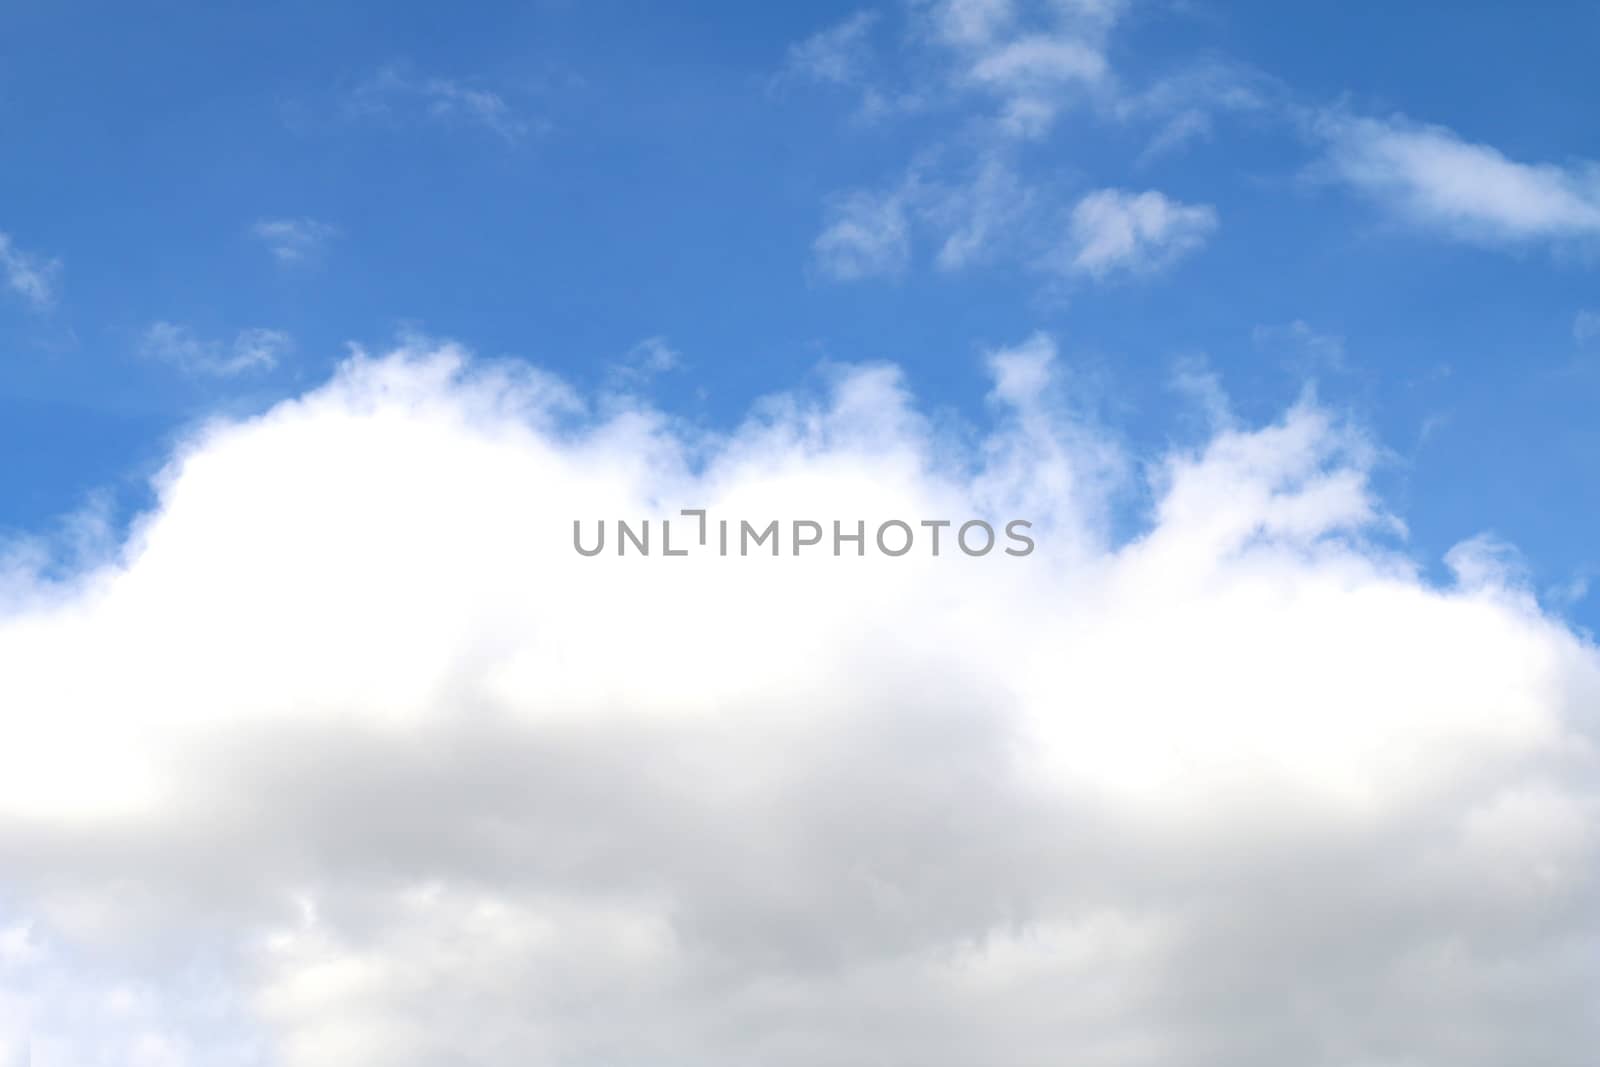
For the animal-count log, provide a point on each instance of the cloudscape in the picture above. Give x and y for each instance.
(1018, 540)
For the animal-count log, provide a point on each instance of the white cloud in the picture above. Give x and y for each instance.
(865, 235)
(253, 349)
(1119, 230)
(1024, 62)
(1432, 177)
(1486, 562)
(295, 240)
(1039, 61)
(974, 218)
(59, 1009)
(1005, 71)
(1020, 64)
(971, 218)
(969, 22)
(27, 275)
(989, 213)
(1184, 104)
(1586, 326)
(395, 91)
(1194, 378)
(644, 361)
(653, 355)
(347, 713)
(838, 55)
(1035, 58)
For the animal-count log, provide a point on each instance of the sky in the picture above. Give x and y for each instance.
(322, 324)
(561, 182)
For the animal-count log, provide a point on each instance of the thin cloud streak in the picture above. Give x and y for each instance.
(397, 93)
(251, 350)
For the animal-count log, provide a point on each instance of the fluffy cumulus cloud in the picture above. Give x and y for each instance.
(345, 756)
(1430, 175)
(1118, 230)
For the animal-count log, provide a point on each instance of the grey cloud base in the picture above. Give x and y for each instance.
(345, 722)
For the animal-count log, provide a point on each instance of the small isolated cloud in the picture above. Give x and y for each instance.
(346, 731)
(27, 276)
(642, 362)
(251, 350)
(1586, 327)
(395, 92)
(294, 241)
(838, 55)
(865, 235)
(653, 355)
(1432, 177)
(1116, 230)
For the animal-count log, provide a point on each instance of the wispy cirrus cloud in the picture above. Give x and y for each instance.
(838, 55)
(990, 213)
(294, 241)
(1432, 177)
(255, 349)
(1586, 326)
(1306, 349)
(398, 93)
(974, 219)
(31, 277)
(1004, 71)
(642, 363)
(1025, 60)
(1020, 65)
(865, 234)
(1032, 58)
(1183, 106)
(968, 219)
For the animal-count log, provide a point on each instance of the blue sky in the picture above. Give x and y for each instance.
(212, 200)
